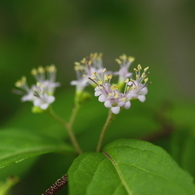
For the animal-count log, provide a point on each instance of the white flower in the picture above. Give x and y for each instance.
(124, 63)
(42, 99)
(138, 90)
(46, 76)
(110, 95)
(29, 93)
(40, 94)
(85, 69)
(82, 80)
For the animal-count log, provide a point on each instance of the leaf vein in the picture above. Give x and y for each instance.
(119, 173)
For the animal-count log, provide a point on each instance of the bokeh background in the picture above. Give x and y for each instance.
(159, 34)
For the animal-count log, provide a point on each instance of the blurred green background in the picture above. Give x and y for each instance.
(159, 34)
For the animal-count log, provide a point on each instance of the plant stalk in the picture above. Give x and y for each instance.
(106, 125)
(68, 127)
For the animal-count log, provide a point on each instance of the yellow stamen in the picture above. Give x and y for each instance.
(124, 99)
(95, 55)
(145, 69)
(76, 63)
(110, 77)
(139, 67)
(131, 59)
(114, 87)
(106, 78)
(23, 79)
(41, 70)
(18, 84)
(100, 82)
(118, 61)
(134, 87)
(143, 75)
(51, 68)
(123, 57)
(135, 70)
(89, 62)
(77, 68)
(146, 80)
(34, 71)
(83, 61)
(116, 95)
(104, 70)
(100, 55)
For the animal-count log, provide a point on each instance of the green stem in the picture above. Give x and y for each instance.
(68, 126)
(73, 115)
(102, 135)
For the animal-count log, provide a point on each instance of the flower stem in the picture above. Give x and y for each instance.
(73, 115)
(68, 126)
(102, 135)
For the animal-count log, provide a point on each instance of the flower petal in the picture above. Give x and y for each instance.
(107, 104)
(115, 110)
(102, 98)
(141, 98)
(44, 106)
(127, 105)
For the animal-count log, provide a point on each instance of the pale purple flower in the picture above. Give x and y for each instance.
(124, 63)
(82, 80)
(43, 100)
(85, 69)
(113, 98)
(138, 87)
(110, 95)
(46, 77)
(40, 94)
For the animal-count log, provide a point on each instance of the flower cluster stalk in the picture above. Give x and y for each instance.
(68, 126)
(103, 132)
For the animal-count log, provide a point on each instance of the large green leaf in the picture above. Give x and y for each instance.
(17, 145)
(128, 167)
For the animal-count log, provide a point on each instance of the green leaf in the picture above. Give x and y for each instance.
(128, 167)
(17, 145)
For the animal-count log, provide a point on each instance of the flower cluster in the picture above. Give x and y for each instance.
(90, 71)
(110, 94)
(85, 69)
(123, 72)
(40, 94)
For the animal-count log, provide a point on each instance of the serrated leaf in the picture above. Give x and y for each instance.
(17, 145)
(128, 167)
